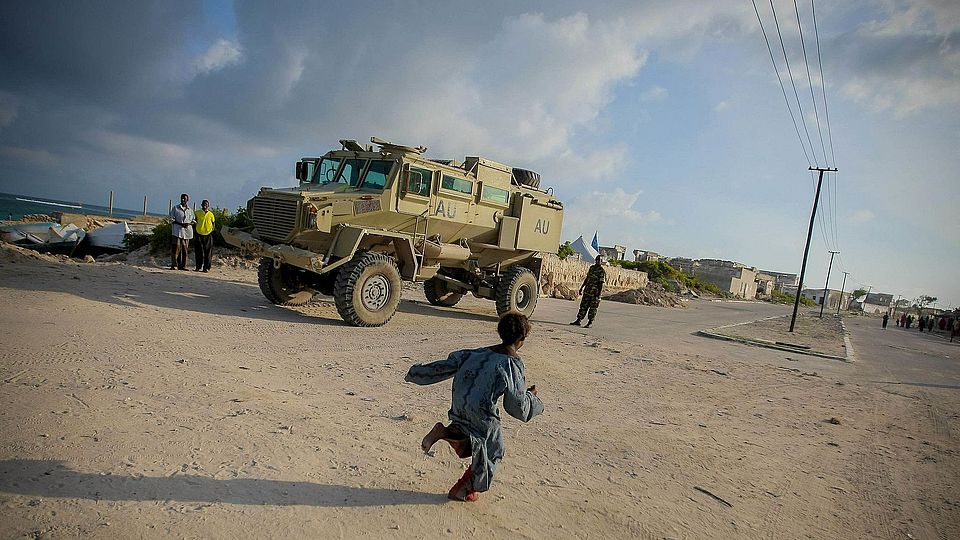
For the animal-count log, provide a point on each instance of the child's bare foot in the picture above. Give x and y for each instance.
(438, 432)
(463, 489)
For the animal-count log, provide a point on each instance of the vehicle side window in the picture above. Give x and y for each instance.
(419, 181)
(457, 184)
(377, 174)
(495, 194)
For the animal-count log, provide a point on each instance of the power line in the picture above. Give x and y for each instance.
(820, 223)
(823, 85)
(806, 64)
(793, 83)
(780, 80)
(836, 205)
(836, 211)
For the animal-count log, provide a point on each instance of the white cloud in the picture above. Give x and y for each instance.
(571, 168)
(221, 54)
(521, 96)
(907, 61)
(140, 150)
(720, 107)
(860, 216)
(39, 158)
(656, 93)
(611, 211)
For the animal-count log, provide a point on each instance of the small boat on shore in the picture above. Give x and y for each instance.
(109, 237)
(44, 237)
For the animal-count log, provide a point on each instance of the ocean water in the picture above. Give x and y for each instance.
(14, 207)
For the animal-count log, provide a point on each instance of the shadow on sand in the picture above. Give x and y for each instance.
(131, 286)
(48, 478)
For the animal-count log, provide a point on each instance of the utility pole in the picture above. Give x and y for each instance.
(806, 250)
(842, 285)
(826, 290)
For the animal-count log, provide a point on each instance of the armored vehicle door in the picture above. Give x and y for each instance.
(415, 191)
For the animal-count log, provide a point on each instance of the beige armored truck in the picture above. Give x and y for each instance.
(365, 217)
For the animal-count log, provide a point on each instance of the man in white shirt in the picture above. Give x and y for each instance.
(181, 224)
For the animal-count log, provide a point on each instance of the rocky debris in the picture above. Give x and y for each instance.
(38, 218)
(652, 295)
(562, 291)
(233, 260)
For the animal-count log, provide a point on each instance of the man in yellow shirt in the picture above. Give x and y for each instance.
(203, 246)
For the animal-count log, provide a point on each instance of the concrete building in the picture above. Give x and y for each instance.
(783, 279)
(729, 276)
(614, 253)
(833, 297)
(874, 303)
(640, 255)
(766, 284)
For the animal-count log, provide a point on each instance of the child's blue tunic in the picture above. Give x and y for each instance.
(480, 377)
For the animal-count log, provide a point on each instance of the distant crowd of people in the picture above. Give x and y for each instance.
(943, 323)
(183, 221)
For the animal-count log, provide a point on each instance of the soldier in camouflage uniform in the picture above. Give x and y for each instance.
(591, 289)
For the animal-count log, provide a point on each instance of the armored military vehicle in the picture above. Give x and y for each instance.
(365, 217)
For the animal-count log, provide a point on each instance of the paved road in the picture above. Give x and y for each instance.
(628, 322)
(904, 356)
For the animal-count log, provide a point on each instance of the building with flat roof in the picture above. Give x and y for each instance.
(833, 297)
(783, 279)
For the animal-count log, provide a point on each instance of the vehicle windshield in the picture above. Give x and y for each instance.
(353, 173)
(326, 171)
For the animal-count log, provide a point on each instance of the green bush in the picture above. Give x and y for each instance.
(565, 250)
(779, 297)
(669, 277)
(160, 241)
(159, 237)
(135, 241)
(239, 220)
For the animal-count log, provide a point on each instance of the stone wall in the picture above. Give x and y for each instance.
(562, 278)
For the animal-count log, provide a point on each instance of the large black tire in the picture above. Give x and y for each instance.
(438, 293)
(517, 292)
(527, 178)
(367, 290)
(283, 285)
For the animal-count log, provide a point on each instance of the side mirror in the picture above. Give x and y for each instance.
(305, 170)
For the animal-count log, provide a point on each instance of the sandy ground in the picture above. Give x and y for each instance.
(823, 335)
(141, 402)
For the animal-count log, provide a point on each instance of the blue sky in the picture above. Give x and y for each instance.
(660, 124)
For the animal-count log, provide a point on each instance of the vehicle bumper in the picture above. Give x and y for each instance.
(293, 256)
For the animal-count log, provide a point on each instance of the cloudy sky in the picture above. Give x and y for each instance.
(661, 124)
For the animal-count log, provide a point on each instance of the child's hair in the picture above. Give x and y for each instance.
(513, 327)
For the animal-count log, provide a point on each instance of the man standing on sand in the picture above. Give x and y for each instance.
(886, 317)
(203, 245)
(590, 289)
(181, 221)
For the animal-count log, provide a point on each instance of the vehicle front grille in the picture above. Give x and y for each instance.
(274, 219)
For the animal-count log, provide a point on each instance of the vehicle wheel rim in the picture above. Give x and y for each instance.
(522, 298)
(375, 292)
